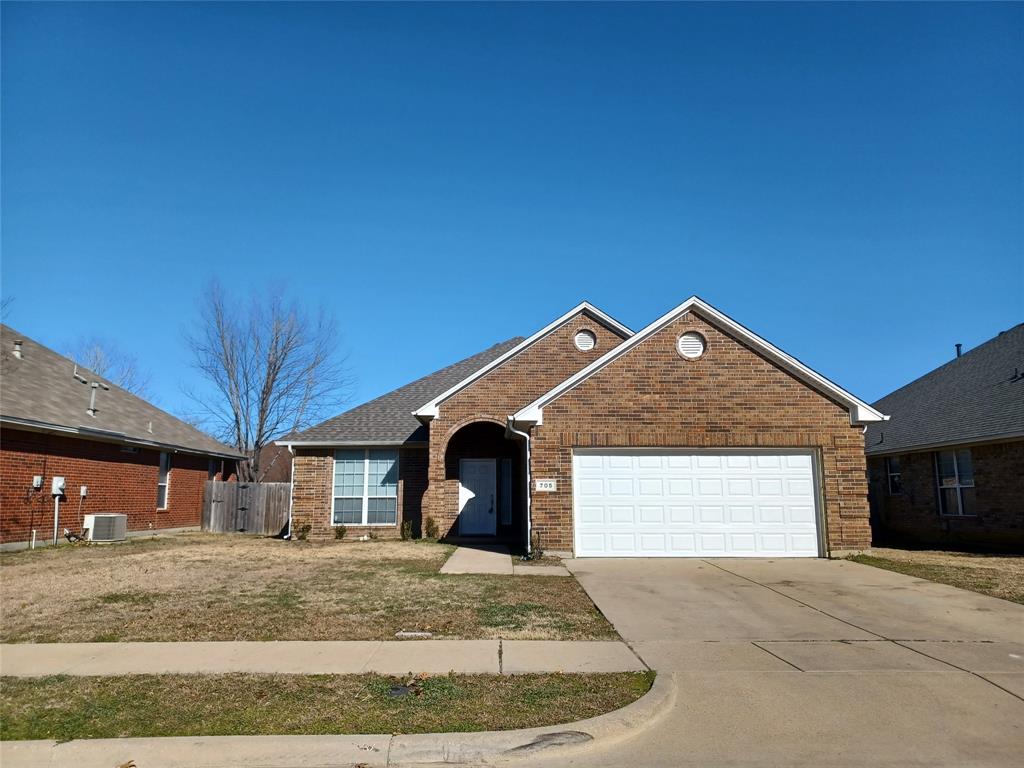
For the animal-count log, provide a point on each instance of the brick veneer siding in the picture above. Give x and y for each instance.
(313, 493)
(117, 482)
(912, 517)
(731, 397)
(503, 391)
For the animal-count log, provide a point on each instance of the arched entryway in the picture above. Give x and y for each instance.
(488, 470)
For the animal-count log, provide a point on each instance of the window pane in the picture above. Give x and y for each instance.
(381, 511)
(165, 466)
(949, 500)
(967, 497)
(895, 484)
(894, 465)
(348, 473)
(161, 496)
(964, 467)
(383, 479)
(945, 465)
(348, 511)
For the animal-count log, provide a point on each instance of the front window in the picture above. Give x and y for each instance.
(892, 470)
(365, 487)
(955, 475)
(162, 481)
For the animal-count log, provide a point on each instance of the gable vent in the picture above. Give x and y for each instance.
(691, 345)
(585, 340)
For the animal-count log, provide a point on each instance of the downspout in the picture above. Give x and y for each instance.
(291, 492)
(511, 430)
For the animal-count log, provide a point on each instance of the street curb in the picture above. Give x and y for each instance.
(491, 747)
(373, 751)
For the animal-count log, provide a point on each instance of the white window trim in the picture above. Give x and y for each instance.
(366, 496)
(959, 486)
(166, 483)
(889, 474)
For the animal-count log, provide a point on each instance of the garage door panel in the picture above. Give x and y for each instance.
(735, 505)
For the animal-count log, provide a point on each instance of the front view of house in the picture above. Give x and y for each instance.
(692, 437)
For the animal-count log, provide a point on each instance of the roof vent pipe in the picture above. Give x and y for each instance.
(958, 348)
(17, 348)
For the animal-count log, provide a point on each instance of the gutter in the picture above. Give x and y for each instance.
(291, 492)
(510, 430)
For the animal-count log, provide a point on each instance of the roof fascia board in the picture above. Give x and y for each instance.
(860, 412)
(108, 436)
(429, 411)
(347, 443)
(882, 450)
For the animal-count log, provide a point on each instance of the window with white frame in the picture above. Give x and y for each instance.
(892, 471)
(365, 487)
(162, 480)
(955, 475)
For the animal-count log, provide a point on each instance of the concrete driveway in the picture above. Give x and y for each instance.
(815, 662)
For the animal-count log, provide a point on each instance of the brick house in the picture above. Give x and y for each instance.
(691, 437)
(61, 420)
(947, 469)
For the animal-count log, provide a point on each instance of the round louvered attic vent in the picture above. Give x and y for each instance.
(691, 345)
(585, 340)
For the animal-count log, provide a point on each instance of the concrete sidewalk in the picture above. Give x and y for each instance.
(495, 559)
(318, 658)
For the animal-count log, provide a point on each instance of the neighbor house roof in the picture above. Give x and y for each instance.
(977, 397)
(39, 391)
(427, 411)
(388, 419)
(860, 412)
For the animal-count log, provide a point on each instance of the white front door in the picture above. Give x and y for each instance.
(659, 503)
(477, 488)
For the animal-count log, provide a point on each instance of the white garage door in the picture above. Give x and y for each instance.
(669, 504)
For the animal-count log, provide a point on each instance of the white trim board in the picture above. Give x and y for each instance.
(429, 411)
(860, 412)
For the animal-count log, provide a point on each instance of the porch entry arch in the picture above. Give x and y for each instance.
(489, 472)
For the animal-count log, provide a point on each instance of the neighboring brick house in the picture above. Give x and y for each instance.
(948, 469)
(61, 420)
(691, 437)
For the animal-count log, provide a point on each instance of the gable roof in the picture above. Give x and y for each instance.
(860, 412)
(388, 419)
(428, 410)
(976, 397)
(40, 392)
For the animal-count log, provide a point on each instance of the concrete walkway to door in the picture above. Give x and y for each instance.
(494, 559)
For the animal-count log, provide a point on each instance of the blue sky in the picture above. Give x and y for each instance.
(846, 180)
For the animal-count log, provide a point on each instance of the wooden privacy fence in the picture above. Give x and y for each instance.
(260, 508)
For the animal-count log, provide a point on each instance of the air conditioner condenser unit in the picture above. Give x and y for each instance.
(105, 527)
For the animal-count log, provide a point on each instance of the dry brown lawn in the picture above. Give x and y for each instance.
(233, 587)
(996, 575)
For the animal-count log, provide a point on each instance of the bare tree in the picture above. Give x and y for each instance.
(5, 306)
(116, 366)
(273, 369)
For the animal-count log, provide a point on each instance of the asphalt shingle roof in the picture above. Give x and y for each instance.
(971, 398)
(388, 418)
(40, 388)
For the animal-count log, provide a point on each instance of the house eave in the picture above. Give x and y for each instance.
(109, 436)
(860, 412)
(884, 450)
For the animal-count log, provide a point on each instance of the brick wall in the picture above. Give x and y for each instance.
(117, 482)
(912, 517)
(500, 393)
(731, 397)
(313, 493)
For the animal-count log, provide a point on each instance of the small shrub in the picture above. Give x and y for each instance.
(303, 533)
(431, 528)
(339, 532)
(406, 530)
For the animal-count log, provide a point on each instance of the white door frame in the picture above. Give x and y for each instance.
(821, 519)
(463, 498)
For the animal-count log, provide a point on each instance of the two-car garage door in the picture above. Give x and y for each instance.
(692, 504)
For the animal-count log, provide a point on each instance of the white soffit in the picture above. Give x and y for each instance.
(429, 410)
(860, 412)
